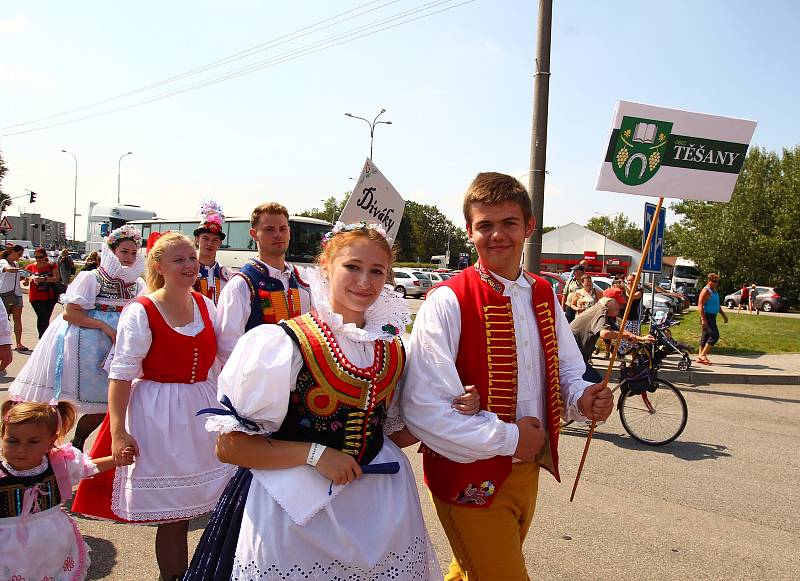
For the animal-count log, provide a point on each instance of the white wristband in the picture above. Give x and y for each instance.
(314, 454)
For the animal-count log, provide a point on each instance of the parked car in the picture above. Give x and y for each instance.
(768, 298)
(665, 283)
(410, 283)
(437, 277)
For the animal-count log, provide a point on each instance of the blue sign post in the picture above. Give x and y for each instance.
(655, 253)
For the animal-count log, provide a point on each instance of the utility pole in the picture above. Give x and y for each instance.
(541, 96)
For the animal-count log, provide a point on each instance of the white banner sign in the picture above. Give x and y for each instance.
(656, 151)
(375, 201)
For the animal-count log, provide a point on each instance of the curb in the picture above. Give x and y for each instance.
(692, 377)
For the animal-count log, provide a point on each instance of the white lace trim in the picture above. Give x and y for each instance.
(392, 424)
(113, 267)
(29, 472)
(228, 424)
(388, 309)
(121, 481)
(417, 561)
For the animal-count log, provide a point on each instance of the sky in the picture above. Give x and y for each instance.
(457, 87)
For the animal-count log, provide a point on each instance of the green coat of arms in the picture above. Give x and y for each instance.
(639, 149)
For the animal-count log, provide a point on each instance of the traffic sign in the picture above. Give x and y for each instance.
(655, 253)
(5, 225)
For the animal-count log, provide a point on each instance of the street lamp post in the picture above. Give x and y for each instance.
(75, 197)
(371, 126)
(119, 167)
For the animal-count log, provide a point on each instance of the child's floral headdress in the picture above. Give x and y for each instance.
(211, 219)
(340, 227)
(124, 232)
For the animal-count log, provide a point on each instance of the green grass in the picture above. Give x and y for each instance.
(744, 334)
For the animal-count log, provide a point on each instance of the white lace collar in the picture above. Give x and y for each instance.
(113, 267)
(30, 472)
(389, 311)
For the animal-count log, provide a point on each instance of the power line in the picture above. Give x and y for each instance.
(306, 50)
(306, 30)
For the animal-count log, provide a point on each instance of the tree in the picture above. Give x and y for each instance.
(618, 228)
(755, 237)
(331, 209)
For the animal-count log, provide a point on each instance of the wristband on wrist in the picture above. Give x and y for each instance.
(314, 454)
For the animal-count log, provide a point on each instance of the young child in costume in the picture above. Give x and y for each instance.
(37, 538)
(208, 237)
(159, 378)
(312, 409)
(69, 358)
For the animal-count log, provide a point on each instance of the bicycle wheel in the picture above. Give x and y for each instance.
(655, 417)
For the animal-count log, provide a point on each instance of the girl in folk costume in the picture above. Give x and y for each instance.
(69, 358)
(313, 412)
(208, 237)
(37, 539)
(159, 378)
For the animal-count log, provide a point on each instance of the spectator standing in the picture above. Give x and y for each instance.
(42, 288)
(92, 261)
(586, 296)
(573, 284)
(752, 303)
(11, 290)
(66, 268)
(744, 300)
(709, 306)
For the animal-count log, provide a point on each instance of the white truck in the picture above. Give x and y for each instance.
(685, 274)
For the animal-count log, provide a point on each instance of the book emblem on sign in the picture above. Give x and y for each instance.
(639, 149)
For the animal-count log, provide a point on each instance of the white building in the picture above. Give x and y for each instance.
(564, 247)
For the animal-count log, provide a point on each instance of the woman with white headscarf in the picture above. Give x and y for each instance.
(68, 361)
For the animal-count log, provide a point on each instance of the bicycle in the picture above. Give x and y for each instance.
(652, 410)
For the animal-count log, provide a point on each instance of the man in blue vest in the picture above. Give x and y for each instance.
(267, 289)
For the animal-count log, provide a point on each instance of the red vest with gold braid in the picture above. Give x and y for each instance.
(487, 359)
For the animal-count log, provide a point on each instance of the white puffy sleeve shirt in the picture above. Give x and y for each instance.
(262, 372)
(431, 380)
(82, 291)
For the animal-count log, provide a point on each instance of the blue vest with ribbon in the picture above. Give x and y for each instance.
(269, 301)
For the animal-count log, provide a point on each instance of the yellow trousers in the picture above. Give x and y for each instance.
(487, 542)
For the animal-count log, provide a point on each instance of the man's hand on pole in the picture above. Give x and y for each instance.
(596, 403)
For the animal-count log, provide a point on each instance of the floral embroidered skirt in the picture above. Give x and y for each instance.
(47, 546)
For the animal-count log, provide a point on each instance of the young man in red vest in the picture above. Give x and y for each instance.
(498, 328)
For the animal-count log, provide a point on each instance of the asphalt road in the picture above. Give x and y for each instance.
(722, 502)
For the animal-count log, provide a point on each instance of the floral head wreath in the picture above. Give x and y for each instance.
(211, 219)
(124, 232)
(340, 227)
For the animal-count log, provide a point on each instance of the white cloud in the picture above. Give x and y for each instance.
(19, 23)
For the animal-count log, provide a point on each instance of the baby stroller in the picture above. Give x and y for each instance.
(665, 345)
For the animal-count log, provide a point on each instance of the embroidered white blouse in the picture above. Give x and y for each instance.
(431, 380)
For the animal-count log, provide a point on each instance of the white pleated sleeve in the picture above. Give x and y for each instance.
(133, 343)
(82, 291)
(257, 379)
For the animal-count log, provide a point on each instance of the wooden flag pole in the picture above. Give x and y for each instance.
(618, 340)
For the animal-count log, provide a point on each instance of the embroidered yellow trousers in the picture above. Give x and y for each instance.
(487, 542)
